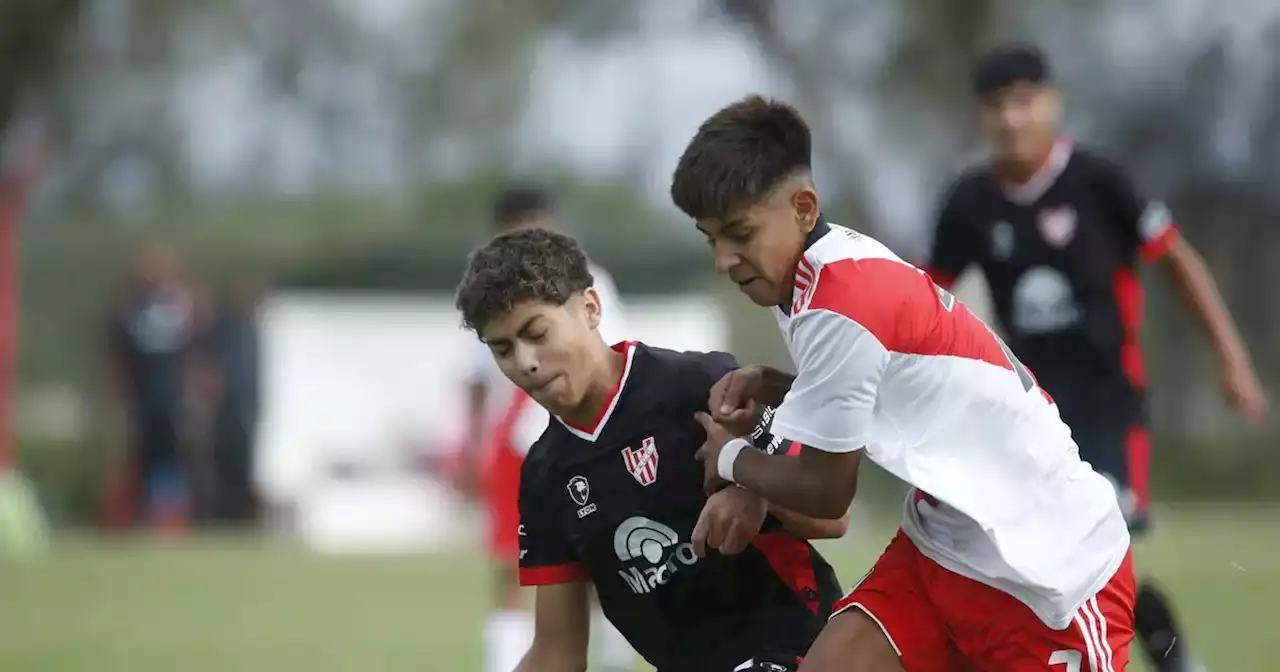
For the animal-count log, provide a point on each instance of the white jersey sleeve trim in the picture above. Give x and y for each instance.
(839, 365)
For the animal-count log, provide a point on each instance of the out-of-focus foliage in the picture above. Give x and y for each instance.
(375, 139)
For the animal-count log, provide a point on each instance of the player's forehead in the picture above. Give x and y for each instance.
(747, 215)
(1016, 91)
(522, 316)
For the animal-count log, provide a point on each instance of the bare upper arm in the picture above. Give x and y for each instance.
(562, 622)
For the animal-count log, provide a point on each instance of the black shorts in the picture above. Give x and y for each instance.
(1108, 422)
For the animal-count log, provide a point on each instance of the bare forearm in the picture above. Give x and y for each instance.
(776, 384)
(809, 485)
(808, 527)
(1200, 292)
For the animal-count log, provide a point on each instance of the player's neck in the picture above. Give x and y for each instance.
(608, 365)
(1016, 171)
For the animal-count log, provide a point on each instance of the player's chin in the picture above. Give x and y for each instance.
(760, 292)
(554, 395)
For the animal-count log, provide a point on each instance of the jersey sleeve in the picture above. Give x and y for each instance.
(1144, 223)
(954, 244)
(839, 365)
(545, 555)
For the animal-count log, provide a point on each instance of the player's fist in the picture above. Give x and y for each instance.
(1242, 390)
(709, 453)
(734, 400)
(729, 520)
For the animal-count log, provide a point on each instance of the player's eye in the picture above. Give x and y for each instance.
(536, 336)
(740, 237)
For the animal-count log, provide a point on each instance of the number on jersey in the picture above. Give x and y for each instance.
(1071, 659)
(1028, 381)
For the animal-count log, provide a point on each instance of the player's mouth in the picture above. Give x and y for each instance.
(542, 387)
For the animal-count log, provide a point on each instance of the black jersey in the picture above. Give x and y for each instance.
(616, 504)
(1060, 256)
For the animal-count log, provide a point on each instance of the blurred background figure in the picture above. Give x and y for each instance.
(235, 342)
(154, 322)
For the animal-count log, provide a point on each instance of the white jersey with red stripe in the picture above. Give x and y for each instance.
(533, 418)
(888, 362)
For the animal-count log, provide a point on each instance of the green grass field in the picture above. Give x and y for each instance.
(228, 604)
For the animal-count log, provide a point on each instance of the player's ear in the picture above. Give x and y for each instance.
(804, 201)
(591, 307)
(1052, 101)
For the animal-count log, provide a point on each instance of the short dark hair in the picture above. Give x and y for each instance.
(518, 202)
(533, 264)
(1009, 64)
(738, 155)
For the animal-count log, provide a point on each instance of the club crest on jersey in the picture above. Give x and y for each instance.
(642, 463)
(1058, 225)
(580, 491)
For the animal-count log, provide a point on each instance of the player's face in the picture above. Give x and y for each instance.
(1020, 119)
(545, 349)
(759, 246)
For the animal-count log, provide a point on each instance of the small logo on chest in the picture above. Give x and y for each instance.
(580, 491)
(1057, 225)
(642, 462)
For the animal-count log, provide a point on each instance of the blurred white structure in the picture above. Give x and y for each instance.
(362, 384)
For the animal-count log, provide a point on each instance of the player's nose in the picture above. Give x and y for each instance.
(725, 259)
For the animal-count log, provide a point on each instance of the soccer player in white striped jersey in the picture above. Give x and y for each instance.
(1013, 553)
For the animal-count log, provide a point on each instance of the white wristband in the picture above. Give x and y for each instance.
(729, 454)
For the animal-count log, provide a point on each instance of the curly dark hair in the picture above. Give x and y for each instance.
(738, 155)
(524, 265)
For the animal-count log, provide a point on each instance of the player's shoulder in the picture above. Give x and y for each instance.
(859, 278)
(971, 181)
(683, 369)
(1091, 160)
(540, 461)
(845, 257)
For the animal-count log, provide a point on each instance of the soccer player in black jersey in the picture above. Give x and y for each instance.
(1058, 231)
(612, 495)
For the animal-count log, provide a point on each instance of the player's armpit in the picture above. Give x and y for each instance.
(812, 483)
(808, 527)
(561, 630)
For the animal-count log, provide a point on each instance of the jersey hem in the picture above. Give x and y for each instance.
(1109, 570)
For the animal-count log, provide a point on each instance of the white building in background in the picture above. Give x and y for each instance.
(368, 382)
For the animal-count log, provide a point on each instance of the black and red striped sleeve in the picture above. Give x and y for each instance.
(955, 243)
(1143, 222)
(546, 556)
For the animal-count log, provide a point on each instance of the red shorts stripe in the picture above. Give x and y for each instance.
(552, 574)
(792, 560)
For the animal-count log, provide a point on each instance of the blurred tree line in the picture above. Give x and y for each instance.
(102, 76)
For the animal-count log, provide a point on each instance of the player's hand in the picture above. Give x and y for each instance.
(709, 453)
(1242, 390)
(733, 400)
(729, 520)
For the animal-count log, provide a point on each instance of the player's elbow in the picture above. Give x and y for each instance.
(551, 655)
(833, 528)
(832, 506)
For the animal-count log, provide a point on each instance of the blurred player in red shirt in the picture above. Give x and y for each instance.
(503, 424)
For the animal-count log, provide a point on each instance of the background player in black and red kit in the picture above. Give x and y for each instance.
(612, 495)
(1058, 231)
